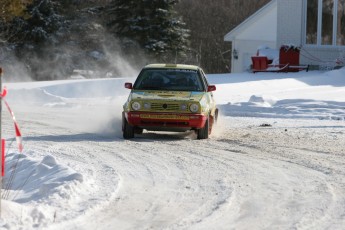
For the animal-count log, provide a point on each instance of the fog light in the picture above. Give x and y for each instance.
(183, 107)
(147, 105)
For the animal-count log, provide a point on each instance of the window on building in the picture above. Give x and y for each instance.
(312, 7)
(341, 23)
(325, 22)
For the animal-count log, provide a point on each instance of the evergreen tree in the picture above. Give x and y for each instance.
(152, 24)
(37, 25)
(44, 22)
(42, 26)
(12, 8)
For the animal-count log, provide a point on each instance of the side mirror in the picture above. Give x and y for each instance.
(128, 85)
(211, 88)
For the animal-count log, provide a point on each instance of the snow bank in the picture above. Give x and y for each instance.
(33, 180)
(28, 182)
(311, 95)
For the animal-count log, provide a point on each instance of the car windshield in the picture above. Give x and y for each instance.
(169, 79)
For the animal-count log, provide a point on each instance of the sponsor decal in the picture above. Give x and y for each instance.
(164, 116)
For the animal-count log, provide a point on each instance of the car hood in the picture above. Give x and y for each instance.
(167, 95)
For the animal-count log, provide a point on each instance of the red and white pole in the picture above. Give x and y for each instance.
(16, 127)
(1, 144)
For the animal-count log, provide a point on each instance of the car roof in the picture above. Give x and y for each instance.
(172, 66)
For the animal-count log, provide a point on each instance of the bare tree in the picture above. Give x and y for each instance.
(208, 22)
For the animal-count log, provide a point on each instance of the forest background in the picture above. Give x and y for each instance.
(48, 39)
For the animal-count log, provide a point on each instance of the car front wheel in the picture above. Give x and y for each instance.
(127, 129)
(204, 132)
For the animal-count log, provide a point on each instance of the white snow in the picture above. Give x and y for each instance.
(274, 161)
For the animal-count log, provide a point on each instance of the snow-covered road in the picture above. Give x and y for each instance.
(253, 173)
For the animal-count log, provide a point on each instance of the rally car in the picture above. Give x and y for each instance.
(170, 97)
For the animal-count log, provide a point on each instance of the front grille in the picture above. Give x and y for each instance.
(165, 107)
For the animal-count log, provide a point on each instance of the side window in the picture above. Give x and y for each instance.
(204, 79)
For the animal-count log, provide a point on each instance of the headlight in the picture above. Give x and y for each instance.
(194, 108)
(136, 105)
(183, 107)
(147, 105)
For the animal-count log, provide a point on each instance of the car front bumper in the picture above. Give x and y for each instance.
(166, 120)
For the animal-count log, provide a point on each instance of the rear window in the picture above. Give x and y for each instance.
(169, 79)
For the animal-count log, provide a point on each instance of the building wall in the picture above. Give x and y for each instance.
(260, 30)
(281, 23)
(291, 31)
(290, 22)
(246, 49)
(323, 57)
(262, 27)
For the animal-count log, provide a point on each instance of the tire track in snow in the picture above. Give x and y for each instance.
(248, 178)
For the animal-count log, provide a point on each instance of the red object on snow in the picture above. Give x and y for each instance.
(288, 61)
(3, 142)
(289, 55)
(260, 62)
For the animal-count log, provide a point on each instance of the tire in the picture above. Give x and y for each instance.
(204, 131)
(213, 122)
(216, 117)
(127, 129)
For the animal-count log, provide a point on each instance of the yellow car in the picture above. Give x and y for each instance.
(170, 97)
